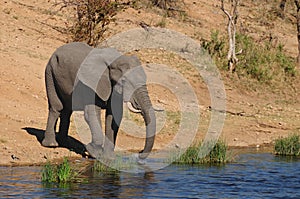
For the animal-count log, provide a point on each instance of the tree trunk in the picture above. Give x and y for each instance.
(232, 16)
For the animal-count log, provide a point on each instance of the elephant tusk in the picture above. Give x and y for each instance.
(158, 109)
(132, 109)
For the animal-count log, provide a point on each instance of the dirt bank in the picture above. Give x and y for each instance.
(253, 118)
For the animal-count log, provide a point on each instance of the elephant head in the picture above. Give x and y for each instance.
(129, 78)
(106, 72)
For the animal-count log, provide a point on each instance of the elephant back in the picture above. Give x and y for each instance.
(66, 61)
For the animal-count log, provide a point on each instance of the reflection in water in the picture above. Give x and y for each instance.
(104, 185)
(252, 176)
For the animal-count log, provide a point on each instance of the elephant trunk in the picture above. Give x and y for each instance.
(143, 100)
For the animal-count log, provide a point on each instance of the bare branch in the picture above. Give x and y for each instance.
(232, 16)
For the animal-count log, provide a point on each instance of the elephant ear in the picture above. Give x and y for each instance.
(128, 73)
(94, 71)
(119, 67)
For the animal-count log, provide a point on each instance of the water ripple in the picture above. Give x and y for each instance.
(252, 176)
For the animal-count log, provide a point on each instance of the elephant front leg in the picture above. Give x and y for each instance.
(112, 122)
(111, 131)
(92, 117)
(49, 139)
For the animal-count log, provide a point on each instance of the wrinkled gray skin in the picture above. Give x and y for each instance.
(68, 86)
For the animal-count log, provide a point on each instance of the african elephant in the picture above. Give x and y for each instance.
(81, 78)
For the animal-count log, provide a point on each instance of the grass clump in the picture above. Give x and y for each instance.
(58, 173)
(289, 146)
(217, 155)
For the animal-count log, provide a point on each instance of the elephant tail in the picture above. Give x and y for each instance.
(54, 101)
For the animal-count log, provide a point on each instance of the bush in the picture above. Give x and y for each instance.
(89, 19)
(264, 62)
(289, 146)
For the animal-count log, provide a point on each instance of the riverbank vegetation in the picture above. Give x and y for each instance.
(62, 172)
(265, 62)
(289, 146)
(68, 171)
(195, 155)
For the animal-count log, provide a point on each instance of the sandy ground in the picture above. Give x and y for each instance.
(253, 118)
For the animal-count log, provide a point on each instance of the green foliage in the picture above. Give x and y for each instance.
(64, 171)
(264, 62)
(289, 146)
(49, 173)
(218, 155)
(216, 46)
(190, 156)
(58, 173)
(89, 19)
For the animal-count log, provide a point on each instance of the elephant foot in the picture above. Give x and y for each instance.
(109, 155)
(95, 150)
(49, 141)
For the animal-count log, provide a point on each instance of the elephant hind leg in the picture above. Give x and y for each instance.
(64, 125)
(49, 139)
(55, 106)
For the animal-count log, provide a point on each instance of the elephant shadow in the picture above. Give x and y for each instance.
(73, 144)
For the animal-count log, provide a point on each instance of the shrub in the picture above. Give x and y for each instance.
(88, 19)
(289, 146)
(264, 62)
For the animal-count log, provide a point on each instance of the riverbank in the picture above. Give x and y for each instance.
(255, 116)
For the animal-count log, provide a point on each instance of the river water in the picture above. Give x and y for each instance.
(253, 175)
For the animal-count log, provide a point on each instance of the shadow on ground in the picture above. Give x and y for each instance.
(72, 144)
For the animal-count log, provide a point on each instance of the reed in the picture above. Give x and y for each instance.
(289, 146)
(58, 173)
(217, 155)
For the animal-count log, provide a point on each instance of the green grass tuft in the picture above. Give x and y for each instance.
(289, 146)
(218, 155)
(49, 173)
(64, 171)
(58, 173)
